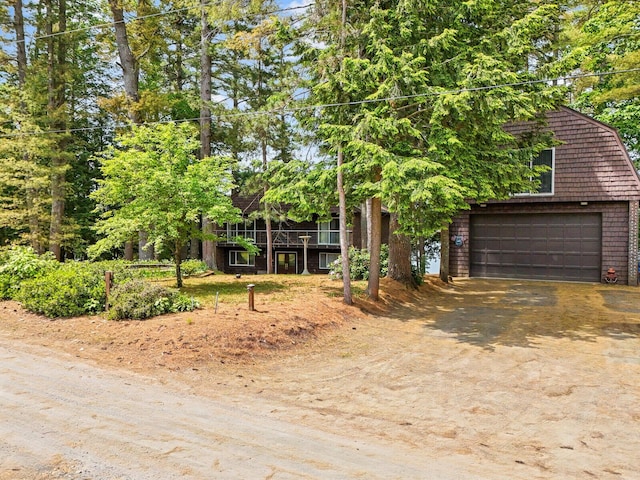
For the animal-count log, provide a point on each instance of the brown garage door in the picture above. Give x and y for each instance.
(537, 246)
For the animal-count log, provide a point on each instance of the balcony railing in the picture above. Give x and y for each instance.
(290, 238)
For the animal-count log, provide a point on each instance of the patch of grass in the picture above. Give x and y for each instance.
(268, 288)
(230, 289)
(334, 289)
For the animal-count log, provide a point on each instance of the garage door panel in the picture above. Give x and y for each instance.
(509, 258)
(523, 232)
(540, 246)
(540, 259)
(509, 230)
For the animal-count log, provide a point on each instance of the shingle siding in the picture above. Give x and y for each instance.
(592, 166)
(591, 163)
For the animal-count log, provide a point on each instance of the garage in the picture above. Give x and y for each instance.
(557, 246)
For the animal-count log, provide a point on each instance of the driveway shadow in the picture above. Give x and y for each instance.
(488, 313)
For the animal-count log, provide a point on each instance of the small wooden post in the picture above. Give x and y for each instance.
(108, 281)
(250, 288)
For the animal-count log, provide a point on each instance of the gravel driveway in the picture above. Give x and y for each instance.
(487, 379)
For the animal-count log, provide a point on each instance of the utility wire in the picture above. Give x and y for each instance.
(291, 110)
(153, 15)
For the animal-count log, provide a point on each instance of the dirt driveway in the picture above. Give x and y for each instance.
(484, 379)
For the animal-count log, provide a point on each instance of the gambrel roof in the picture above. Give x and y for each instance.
(591, 162)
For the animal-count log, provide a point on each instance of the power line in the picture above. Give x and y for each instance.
(154, 15)
(292, 110)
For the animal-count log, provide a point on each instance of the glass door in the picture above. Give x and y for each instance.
(286, 262)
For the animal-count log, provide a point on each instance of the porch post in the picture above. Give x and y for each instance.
(305, 241)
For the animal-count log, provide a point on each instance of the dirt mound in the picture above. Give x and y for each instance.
(177, 341)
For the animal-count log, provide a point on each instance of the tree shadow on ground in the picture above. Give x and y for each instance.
(488, 313)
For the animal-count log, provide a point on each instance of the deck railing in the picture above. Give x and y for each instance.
(290, 238)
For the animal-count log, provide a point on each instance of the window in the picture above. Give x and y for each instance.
(245, 229)
(329, 232)
(326, 259)
(545, 158)
(241, 258)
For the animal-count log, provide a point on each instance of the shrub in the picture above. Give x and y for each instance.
(70, 290)
(19, 264)
(417, 276)
(193, 267)
(360, 264)
(138, 299)
(73, 288)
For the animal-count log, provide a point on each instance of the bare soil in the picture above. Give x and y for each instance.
(283, 322)
(496, 378)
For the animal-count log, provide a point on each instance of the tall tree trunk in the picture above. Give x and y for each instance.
(209, 246)
(31, 193)
(342, 197)
(128, 61)
(145, 251)
(128, 250)
(375, 241)
(56, 66)
(373, 287)
(444, 253)
(177, 258)
(21, 50)
(130, 73)
(344, 239)
(422, 258)
(399, 254)
(368, 226)
(194, 247)
(364, 222)
(267, 221)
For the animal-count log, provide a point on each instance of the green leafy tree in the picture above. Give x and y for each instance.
(154, 182)
(58, 75)
(24, 176)
(603, 37)
(271, 85)
(417, 94)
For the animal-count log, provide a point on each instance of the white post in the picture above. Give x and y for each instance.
(305, 241)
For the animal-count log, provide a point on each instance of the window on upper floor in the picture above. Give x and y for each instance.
(246, 229)
(545, 158)
(329, 232)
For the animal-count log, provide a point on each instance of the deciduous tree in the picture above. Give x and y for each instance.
(153, 181)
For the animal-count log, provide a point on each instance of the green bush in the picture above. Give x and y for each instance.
(70, 290)
(193, 267)
(138, 299)
(417, 276)
(360, 264)
(18, 264)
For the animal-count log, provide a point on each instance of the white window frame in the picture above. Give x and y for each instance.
(327, 262)
(233, 259)
(249, 230)
(552, 172)
(326, 233)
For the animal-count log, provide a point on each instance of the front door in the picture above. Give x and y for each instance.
(286, 262)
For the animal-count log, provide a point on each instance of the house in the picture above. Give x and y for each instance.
(323, 242)
(581, 222)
